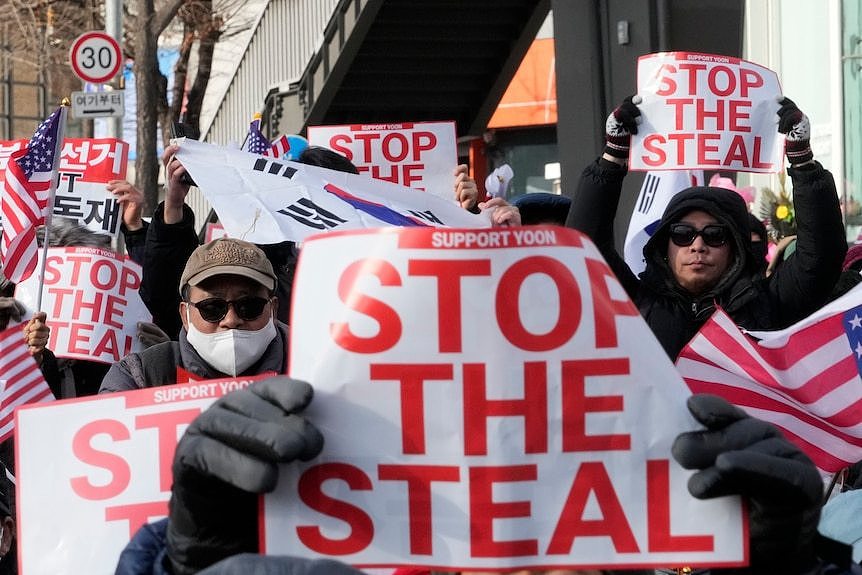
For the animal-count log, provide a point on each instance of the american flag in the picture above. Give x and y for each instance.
(22, 381)
(27, 190)
(256, 142)
(804, 379)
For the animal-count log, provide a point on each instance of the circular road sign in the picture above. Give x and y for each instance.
(95, 57)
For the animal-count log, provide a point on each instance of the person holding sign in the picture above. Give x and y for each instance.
(232, 451)
(228, 315)
(701, 256)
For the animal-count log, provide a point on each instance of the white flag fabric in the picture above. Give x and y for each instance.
(268, 200)
(657, 190)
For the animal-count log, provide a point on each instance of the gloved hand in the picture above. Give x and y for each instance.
(619, 127)
(150, 334)
(266, 565)
(797, 129)
(227, 456)
(740, 455)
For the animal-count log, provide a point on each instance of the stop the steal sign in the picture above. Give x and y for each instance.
(490, 399)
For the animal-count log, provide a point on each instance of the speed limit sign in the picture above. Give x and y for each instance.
(95, 57)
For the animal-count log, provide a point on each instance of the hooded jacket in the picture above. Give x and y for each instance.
(755, 302)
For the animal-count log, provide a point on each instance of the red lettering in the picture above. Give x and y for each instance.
(737, 152)
(658, 515)
(310, 489)
(667, 84)
(702, 113)
(449, 274)
(392, 176)
(403, 145)
(679, 105)
(411, 378)
(76, 262)
(692, 70)
(167, 424)
(408, 177)
(576, 404)
(112, 463)
(113, 311)
(605, 308)
(94, 307)
(137, 514)
(703, 149)
(53, 272)
(422, 141)
(79, 338)
(739, 115)
(419, 479)
(484, 510)
(508, 304)
(96, 277)
(533, 408)
(366, 139)
(59, 295)
(386, 317)
(592, 478)
(758, 161)
(341, 144)
(108, 345)
(748, 79)
(713, 77)
(129, 281)
(680, 140)
(653, 144)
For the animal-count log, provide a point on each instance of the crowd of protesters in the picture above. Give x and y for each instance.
(221, 309)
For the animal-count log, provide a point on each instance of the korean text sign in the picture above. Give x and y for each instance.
(490, 399)
(103, 471)
(702, 111)
(92, 301)
(419, 155)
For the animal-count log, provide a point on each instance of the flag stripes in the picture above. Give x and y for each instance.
(22, 381)
(806, 381)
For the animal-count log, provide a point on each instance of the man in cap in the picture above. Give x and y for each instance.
(229, 328)
(701, 256)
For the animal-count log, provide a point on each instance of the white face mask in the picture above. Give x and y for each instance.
(231, 351)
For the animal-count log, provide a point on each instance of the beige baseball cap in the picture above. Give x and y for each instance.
(228, 256)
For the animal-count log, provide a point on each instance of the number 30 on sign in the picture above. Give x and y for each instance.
(95, 57)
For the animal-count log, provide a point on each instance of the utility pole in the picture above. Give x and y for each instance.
(114, 27)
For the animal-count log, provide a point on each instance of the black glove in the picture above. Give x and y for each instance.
(227, 456)
(265, 565)
(620, 126)
(741, 455)
(797, 129)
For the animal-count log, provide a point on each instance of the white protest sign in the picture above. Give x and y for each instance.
(490, 399)
(89, 204)
(420, 155)
(92, 301)
(702, 111)
(103, 471)
(268, 200)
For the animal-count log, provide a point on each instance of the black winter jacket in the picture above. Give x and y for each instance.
(798, 288)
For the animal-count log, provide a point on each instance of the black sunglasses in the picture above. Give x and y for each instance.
(214, 309)
(713, 235)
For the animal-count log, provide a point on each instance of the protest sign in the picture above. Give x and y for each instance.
(102, 471)
(92, 301)
(268, 200)
(86, 165)
(490, 399)
(420, 155)
(703, 111)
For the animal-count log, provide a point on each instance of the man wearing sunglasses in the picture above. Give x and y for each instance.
(229, 328)
(701, 255)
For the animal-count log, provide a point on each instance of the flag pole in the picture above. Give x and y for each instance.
(52, 190)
